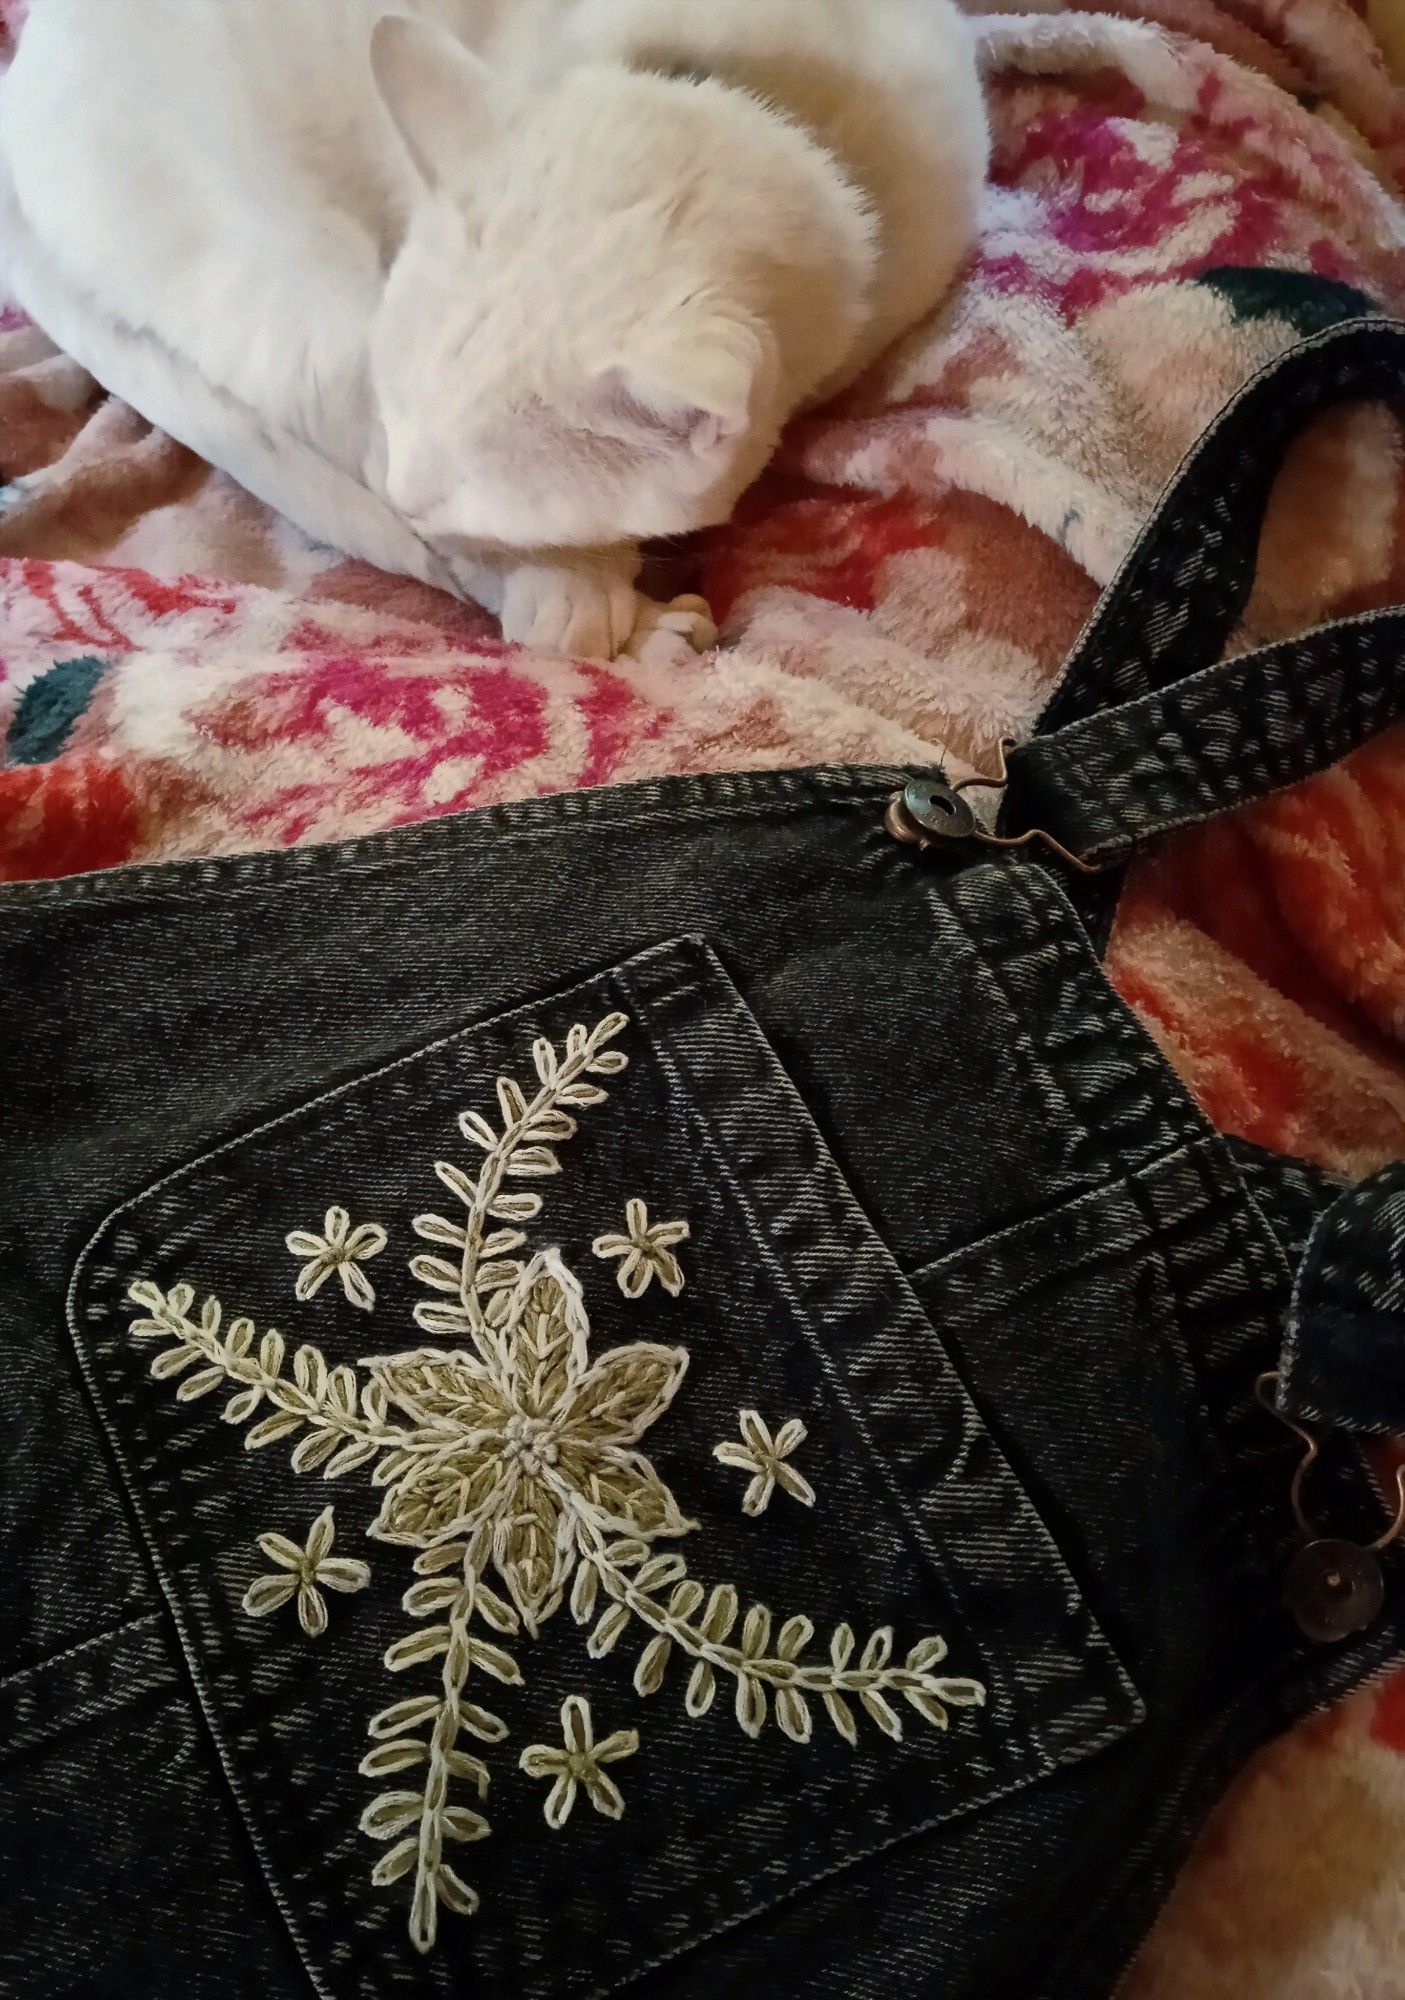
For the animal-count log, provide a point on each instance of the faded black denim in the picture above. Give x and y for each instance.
(948, 1206)
(1344, 1355)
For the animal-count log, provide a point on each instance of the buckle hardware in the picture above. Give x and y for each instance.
(1333, 1587)
(930, 812)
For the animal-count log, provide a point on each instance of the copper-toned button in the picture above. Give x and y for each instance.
(1334, 1589)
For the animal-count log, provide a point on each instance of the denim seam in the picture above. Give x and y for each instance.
(187, 1643)
(307, 866)
(85, 1684)
(1021, 1047)
(1120, 1025)
(1092, 1747)
(854, 1225)
(1165, 1098)
(1114, 734)
(1218, 1748)
(1059, 751)
(1181, 1350)
(1029, 1045)
(441, 1047)
(1245, 1483)
(107, 1637)
(1012, 1232)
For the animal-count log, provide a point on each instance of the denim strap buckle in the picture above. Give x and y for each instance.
(930, 812)
(1332, 1586)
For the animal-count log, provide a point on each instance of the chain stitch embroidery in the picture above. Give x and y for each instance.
(645, 1252)
(577, 1764)
(341, 1249)
(518, 1436)
(765, 1457)
(519, 1457)
(305, 1571)
(523, 1149)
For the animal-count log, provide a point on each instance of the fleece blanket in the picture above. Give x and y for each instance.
(1181, 188)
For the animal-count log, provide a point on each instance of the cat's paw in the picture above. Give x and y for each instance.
(670, 634)
(580, 613)
(593, 612)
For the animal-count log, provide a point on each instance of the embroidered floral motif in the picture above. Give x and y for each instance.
(765, 1457)
(514, 1455)
(526, 1434)
(576, 1766)
(341, 1249)
(644, 1252)
(306, 1571)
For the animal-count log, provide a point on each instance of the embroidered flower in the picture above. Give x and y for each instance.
(645, 1253)
(308, 1572)
(341, 1249)
(765, 1457)
(578, 1764)
(529, 1439)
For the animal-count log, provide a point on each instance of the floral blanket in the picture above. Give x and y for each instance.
(1181, 188)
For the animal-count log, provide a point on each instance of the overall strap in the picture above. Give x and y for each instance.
(1150, 729)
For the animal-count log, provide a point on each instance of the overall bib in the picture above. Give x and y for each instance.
(660, 1389)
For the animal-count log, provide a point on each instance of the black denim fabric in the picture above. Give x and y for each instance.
(947, 1206)
(1344, 1356)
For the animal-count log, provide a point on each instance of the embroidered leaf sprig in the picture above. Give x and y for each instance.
(524, 1149)
(345, 1421)
(419, 1737)
(766, 1676)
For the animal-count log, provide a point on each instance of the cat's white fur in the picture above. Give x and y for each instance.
(488, 290)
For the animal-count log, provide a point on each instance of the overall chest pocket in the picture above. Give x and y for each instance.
(579, 1537)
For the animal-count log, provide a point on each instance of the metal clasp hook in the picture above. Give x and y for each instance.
(928, 812)
(1263, 1389)
(1333, 1588)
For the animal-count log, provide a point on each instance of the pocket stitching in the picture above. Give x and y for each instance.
(693, 966)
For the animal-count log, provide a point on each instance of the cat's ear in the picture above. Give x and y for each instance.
(438, 94)
(693, 389)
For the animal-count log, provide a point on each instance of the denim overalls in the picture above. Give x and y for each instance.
(660, 1390)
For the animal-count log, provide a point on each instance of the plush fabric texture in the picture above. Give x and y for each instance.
(1182, 187)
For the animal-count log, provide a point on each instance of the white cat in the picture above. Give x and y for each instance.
(488, 290)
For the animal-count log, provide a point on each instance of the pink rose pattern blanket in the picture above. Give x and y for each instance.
(1181, 188)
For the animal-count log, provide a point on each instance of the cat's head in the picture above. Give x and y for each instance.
(579, 341)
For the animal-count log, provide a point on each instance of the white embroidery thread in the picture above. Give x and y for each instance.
(484, 1266)
(645, 1252)
(576, 1764)
(519, 1458)
(342, 1249)
(520, 1436)
(305, 1571)
(765, 1457)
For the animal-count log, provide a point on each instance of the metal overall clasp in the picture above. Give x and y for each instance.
(1332, 1587)
(930, 813)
